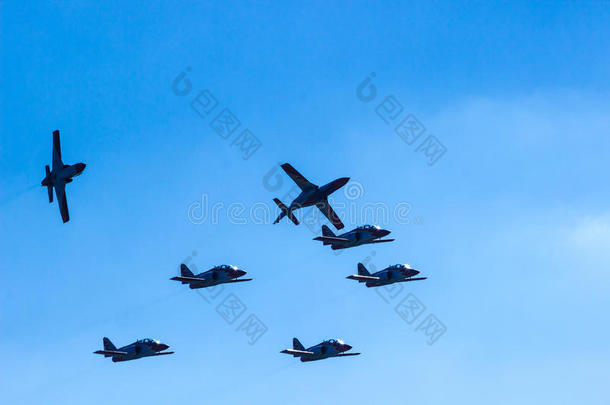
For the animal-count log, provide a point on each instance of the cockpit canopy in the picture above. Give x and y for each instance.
(148, 341)
(400, 266)
(369, 227)
(335, 341)
(226, 267)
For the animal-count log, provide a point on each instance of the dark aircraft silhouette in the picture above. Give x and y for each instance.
(311, 194)
(136, 350)
(324, 350)
(59, 176)
(356, 237)
(217, 275)
(391, 274)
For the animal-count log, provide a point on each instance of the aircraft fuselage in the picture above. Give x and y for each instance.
(357, 237)
(215, 277)
(140, 349)
(316, 194)
(325, 350)
(392, 275)
(63, 175)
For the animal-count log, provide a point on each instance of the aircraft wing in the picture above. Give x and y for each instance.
(56, 159)
(297, 352)
(328, 211)
(237, 280)
(414, 279)
(189, 279)
(331, 239)
(297, 177)
(362, 278)
(347, 354)
(161, 353)
(381, 240)
(111, 353)
(60, 192)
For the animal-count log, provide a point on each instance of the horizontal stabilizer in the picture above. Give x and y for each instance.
(285, 211)
(297, 352)
(330, 239)
(362, 278)
(49, 184)
(111, 353)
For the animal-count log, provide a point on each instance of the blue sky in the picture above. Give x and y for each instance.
(511, 224)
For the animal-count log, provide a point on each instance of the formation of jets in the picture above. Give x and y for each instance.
(311, 194)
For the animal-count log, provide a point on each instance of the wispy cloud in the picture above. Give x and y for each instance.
(592, 233)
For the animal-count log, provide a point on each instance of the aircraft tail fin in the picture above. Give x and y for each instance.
(296, 345)
(49, 186)
(185, 272)
(285, 212)
(362, 271)
(327, 232)
(108, 346)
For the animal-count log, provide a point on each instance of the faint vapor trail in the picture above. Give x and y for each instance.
(17, 195)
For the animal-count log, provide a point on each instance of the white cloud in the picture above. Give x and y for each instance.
(592, 233)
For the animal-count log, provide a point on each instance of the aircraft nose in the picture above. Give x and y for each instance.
(383, 232)
(162, 346)
(239, 273)
(342, 181)
(81, 167)
(346, 347)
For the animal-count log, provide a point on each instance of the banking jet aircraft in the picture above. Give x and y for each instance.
(324, 350)
(59, 177)
(391, 274)
(311, 194)
(356, 237)
(217, 275)
(136, 350)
